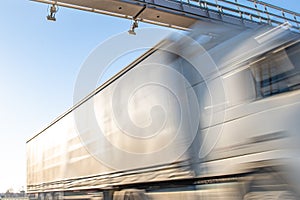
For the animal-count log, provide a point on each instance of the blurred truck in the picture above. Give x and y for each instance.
(213, 114)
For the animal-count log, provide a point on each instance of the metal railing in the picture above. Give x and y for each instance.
(253, 10)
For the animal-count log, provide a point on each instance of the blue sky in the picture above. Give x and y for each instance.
(39, 63)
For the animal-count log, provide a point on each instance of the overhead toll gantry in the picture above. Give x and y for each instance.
(181, 14)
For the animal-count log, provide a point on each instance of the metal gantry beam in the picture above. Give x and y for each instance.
(181, 14)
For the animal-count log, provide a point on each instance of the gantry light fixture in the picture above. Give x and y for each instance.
(53, 10)
(134, 25)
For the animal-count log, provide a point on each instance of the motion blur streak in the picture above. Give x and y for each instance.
(246, 146)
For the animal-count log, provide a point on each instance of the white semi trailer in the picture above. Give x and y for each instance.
(183, 121)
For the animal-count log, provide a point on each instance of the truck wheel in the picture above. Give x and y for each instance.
(41, 196)
(131, 194)
(49, 196)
